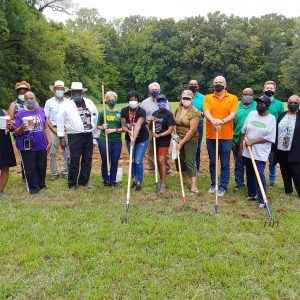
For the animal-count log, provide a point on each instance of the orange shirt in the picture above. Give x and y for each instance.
(220, 109)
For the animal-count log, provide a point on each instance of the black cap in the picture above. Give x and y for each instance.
(264, 99)
(161, 97)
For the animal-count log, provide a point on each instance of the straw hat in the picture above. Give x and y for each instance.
(58, 83)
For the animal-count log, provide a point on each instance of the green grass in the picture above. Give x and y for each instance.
(72, 245)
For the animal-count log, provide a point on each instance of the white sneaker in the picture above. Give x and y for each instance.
(212, 189)
(221, 193)
(261, 205)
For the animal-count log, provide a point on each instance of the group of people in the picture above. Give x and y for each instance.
(76, 126)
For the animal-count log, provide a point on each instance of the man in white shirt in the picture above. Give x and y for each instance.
(78, 118)
(150, 106)
(51, 110)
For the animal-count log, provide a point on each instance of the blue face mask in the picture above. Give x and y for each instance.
(154, 93)
(59, 93)
(77, 98)
(161, 105)
(30, 103)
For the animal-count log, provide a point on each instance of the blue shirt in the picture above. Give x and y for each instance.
(198, 102)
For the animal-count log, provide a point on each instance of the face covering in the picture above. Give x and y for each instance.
(219, 87)
(154, 93)
(77, 98)
(59, 93)
(111, 103)
(293, 107)
(30, 103)
(186, 103)
(247, 99)
(269, 93)
(161, 105)
(261, 109)
(133, 104)
(193, 88)
(21, 98)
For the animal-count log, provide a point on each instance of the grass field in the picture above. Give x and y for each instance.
(61, 244)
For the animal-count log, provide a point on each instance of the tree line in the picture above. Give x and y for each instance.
(129, 53)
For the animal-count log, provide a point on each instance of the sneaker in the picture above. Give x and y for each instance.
(221, 193)
(133, 184)
(237, 187)
(55, 176)
(253, 198)
(272, 184)
(106, 183)
(261, 205)
(162, 188)
(138, 188)
(113, 184)
(212, 189)
(72, 187)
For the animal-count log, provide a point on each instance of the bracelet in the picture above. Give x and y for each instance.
(223, 121)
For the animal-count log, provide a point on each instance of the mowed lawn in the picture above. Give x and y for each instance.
(62, 244)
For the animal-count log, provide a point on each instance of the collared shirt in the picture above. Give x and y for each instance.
(51, 109)
(150, 106)
(69, 119)
(276, 108)
(198, 102)
(240, 118)
(220, 109)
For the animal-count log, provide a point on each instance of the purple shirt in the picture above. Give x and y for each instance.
(37, 135)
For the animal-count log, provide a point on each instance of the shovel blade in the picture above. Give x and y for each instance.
(216, 208)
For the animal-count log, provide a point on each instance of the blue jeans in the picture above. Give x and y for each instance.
(139, 150)
(114, 150)
(272, 169)
(200, 132)
(239, 169)
(252, 184)
(225, 147)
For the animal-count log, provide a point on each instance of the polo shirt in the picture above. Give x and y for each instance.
(198, 102)
(276, 108)
(220, 109)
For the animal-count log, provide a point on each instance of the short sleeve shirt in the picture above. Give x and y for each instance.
(220, 109)
(140, 113)
(286, 128)
(113, 120)
(165, 119)
(183, 122)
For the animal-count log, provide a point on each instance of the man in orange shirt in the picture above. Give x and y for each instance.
(219, 109)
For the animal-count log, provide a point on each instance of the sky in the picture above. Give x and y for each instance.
(167, 8)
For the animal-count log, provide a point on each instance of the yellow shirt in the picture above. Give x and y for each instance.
(220, 109)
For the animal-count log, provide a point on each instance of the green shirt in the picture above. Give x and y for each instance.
(113, 120)
(240, 118)
(276, 108)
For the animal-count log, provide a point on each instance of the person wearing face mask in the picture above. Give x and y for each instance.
(164, 126)
(187, 119)
(276, 109)
(246, 105)
(287, 146)
(198, 103)
(21, 89)
(111, 126)
(51, 108)
(260, 131)
(219, 109)
(135, 116)
(33, 142)
(150, 106)
(78, 119)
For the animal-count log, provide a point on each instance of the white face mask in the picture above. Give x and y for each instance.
(186, 103)
(133, 104)
(21, 98)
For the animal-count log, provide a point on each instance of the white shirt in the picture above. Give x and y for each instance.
(69, 120)
(256, 127)
(52, 107)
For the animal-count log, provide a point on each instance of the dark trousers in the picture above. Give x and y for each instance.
(35, 166)
(239, 169)
(200, 132)
(289, 171)
(114, 152)
(252, 183)
(81, 151)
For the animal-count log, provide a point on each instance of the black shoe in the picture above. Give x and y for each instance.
(113, 184)
(106, 183)
(133, 184)
(138, 188)
(272, 184)
(72, 187)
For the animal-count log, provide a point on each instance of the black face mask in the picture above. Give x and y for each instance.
(269, 93)
(293, 107)
(193, 88)
(219, 87)
(261, 109)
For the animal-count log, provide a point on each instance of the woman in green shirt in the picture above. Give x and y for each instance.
(112, 127)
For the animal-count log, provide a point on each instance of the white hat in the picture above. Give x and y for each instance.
(58, 83)
(78, 86)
